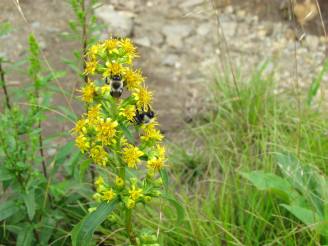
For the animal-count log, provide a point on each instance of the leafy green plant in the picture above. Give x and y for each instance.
(34, 200)
(302, 189)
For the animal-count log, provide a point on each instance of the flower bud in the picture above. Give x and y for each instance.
(92, 209)
(119, 182)
(130, 203)
(158, 182)
(147, 199)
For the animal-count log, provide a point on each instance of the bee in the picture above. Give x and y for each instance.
(144, 117)
(116, 85)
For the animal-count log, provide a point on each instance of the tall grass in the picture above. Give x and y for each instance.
(240, 132)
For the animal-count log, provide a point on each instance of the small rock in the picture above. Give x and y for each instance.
(290, 34)
(144, 41)
(265, 30)
(229, 10)
(36, 25)
(190, 3)
(204, 29)
(156, 38)
(170, 60)
(229, 28)
(241, 13)
(175, 33)
(120, 23)
(311, 42)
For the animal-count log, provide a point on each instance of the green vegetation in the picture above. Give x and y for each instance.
(250, 170)
(244, 131)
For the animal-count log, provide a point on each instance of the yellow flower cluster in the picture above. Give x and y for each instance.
(131, 155)
(119, 130)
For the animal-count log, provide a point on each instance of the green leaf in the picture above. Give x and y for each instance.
(314, 88)
(305, 215)
(178, 207)
(7, 209)
(304, 179)
(5, 174)
(47, 229)
(309, 218)
(29, 200)
(64, 152)
(127, 133)
(165, 178)
(269, 182)
(83, 168)
(82, 232)
(25, 236)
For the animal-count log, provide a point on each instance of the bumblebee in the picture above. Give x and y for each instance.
(116, 85)
(144, 117)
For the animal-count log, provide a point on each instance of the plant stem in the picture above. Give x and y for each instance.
(128, 225)
(4, 87)
(84, 39)
(85, 77)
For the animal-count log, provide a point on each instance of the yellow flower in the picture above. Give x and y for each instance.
(90, 67)
(133, 79)
(155, 164)
(160, 151)
(113, 69)
(99, 155)
(93, 51)
(96, 197)
(110, 44)
(94, 114)
(128, 112)
(131, 155)
(99, 181)
(135, 193)
(79, 126)
(143, 98)
(130, 203)
(129, 48)
(82, 143)
(106, 130)
(88, 92)
(108, 195)
(119, 181)
(151, 133)
(105, 90)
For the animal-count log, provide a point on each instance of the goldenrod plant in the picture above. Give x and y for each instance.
(119, 134)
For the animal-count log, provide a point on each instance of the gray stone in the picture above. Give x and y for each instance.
(120, 23)
(175, 33)
(36, 25)
(143, 41)
(156, 38)
(312, 42)
(229, 28)
(190, 3)
(170, 60)
(229, 10)
(204, 29)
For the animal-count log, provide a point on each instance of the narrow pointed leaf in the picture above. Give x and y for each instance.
(82, 233)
